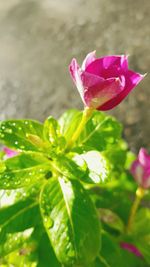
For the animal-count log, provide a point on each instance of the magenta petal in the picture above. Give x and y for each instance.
(137, 172)
(76, 75)
(140, 169)
(9, 152)
(144, 158)
(73, 68)
(131, 248)
(90, 80)
(107, 80)
(102, 92)
(146, 179)
(88, 60)
(101, 65)
(131, 80)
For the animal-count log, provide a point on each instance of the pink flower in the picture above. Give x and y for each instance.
(140, 169)
(103, 82)
(131, 248)
(9, 152)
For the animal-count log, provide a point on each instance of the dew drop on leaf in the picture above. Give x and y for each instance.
(48, 222)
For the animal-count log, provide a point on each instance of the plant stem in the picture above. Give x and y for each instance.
(85, 117)
(139, 195)
(102, 260)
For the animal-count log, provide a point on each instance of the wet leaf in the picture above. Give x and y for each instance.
(23, 169)
(14, 134)
(71, 221)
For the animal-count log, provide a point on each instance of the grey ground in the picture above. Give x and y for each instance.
(38, 40)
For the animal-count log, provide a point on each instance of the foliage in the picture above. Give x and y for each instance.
(69, 205)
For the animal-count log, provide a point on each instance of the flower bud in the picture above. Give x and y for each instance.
(103, 82)
(140, 169)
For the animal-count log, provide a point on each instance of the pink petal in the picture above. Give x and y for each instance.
(131, 80)
(9, 152)
(73, 68)
(102, 92)
(131, 248)
(140, 169)
(88, 60)
(144, 158)
(104, 66)
(90, 80)
(137, 171)
(76, 76)
(146, 179)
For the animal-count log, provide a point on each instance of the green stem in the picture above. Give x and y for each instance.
(139, 195)
(85, 117)
(102, 260)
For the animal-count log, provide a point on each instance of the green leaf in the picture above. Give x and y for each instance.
(52, 134)
(71, 222)
(111, 219)
(100, 132)
(15, 134)
(69, 122)
(112, 255)
(141, 232)
(68, 168)
(141, 224)
(46, 256)
(14, 242)
(17, 217)
(99, 168)
(23, 169)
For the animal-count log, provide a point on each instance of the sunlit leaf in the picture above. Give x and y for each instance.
(15, 134)
(99, 168)
(18, 217)
(71, 221)
(100, 132)
(23, 169)
(69, 122)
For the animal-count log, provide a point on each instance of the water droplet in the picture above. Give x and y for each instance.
(3, 127)
(26, 122)
(16, 142)
(13, 124)
(48, 222)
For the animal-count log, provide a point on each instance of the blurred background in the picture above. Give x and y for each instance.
(38, 40)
